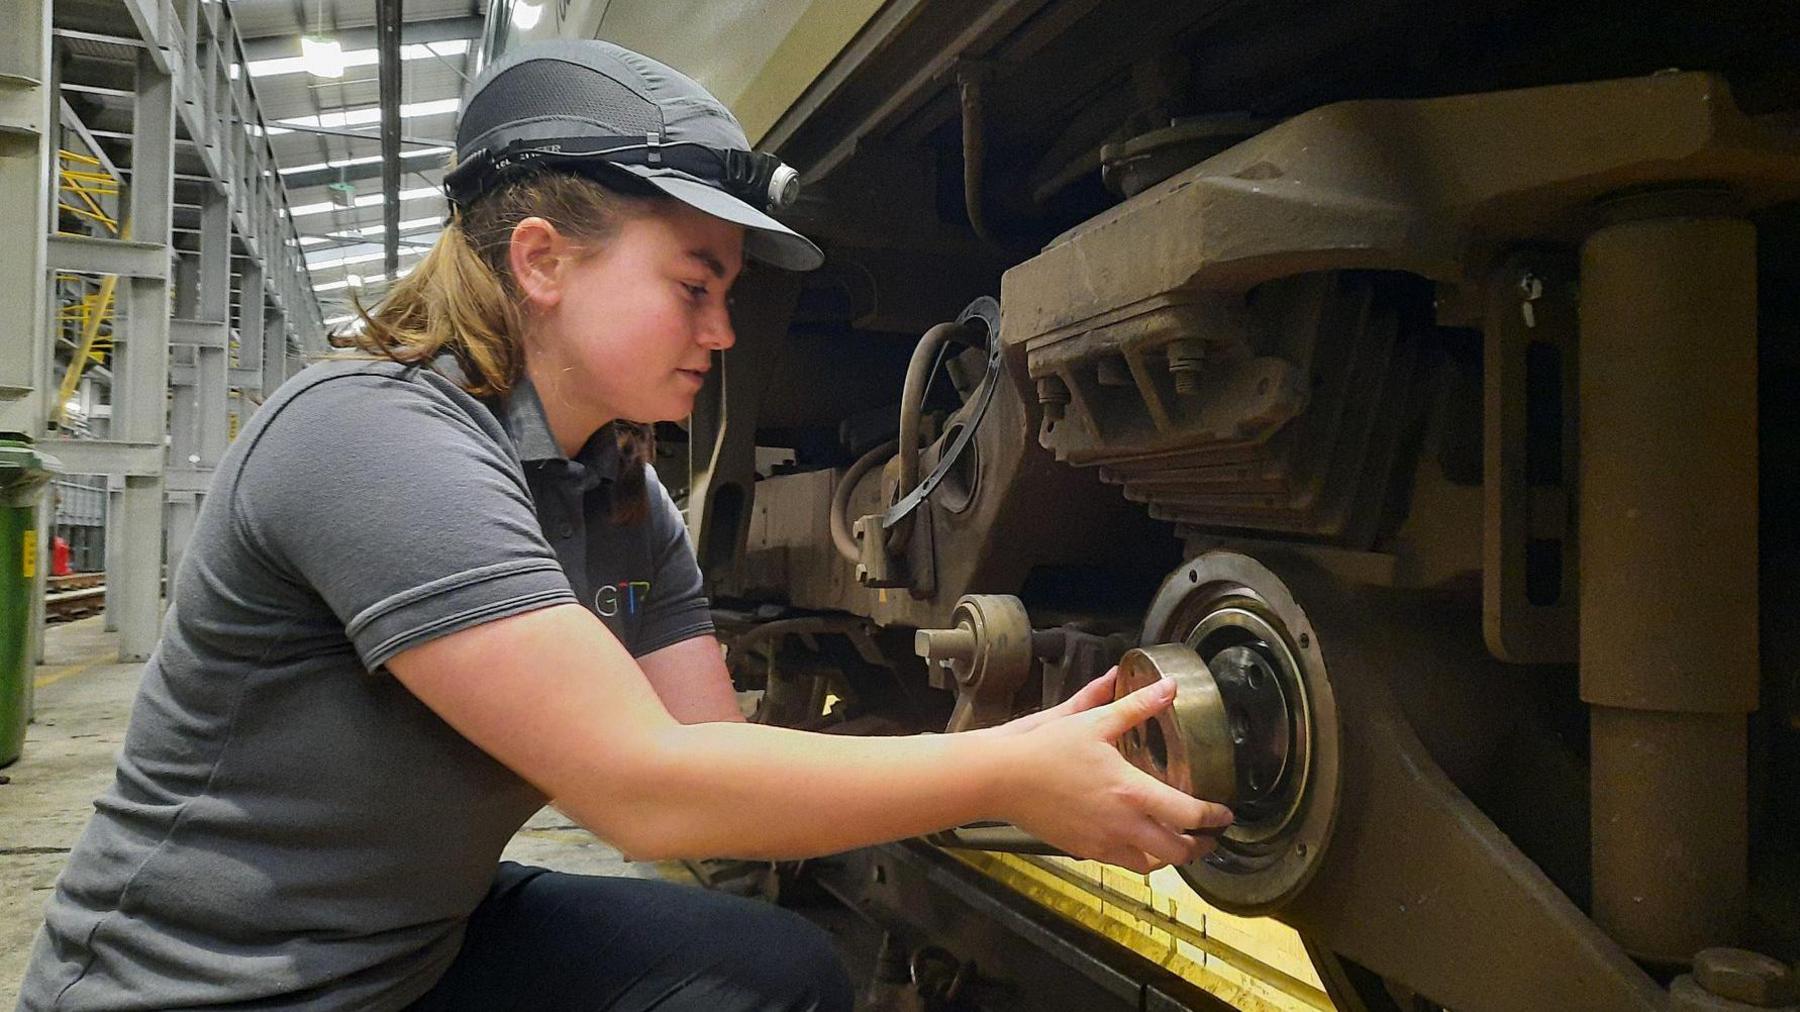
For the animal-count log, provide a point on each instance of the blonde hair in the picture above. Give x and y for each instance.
(462, 298)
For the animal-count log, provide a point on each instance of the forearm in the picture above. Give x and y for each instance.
(691, 680)
(754, 791)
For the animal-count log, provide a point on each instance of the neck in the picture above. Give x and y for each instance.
(572, 422)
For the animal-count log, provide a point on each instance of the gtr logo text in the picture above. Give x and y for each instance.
(622, 598)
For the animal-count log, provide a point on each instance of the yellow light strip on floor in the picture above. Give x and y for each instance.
(1240, 978)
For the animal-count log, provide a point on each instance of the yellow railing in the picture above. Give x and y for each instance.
(87, 187)
(83, 185)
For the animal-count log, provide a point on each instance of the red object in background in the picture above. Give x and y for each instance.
(59, 556)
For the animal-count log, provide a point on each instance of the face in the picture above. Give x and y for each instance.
(628, 330)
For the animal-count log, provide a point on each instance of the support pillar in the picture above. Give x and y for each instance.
(141, 370)
(1668, 522)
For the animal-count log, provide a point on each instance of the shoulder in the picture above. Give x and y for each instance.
(339, 398)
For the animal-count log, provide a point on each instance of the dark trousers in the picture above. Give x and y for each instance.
(547, 940)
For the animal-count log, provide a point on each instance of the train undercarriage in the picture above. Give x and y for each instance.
(1416, 379)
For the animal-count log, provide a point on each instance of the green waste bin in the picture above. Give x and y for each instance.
(23, 474)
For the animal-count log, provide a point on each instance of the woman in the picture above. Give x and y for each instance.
(436, 585)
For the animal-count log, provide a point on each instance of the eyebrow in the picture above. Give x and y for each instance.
(711, 262)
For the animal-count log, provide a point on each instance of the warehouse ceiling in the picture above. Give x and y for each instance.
(330, 152)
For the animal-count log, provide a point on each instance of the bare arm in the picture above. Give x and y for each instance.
(692, 681)
(576, 717)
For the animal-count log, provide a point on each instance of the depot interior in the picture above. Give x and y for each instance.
(1411, 382)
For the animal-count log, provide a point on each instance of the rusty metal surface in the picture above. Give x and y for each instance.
(1529, 563)
(1427, 186)
(1226, 349)
(1282, 414)
(1749, 977)
(1669, 596)
(790, 551)
(1670, 829)
(722, 429)
(1668, 466)
(1419, 885)
(987, 654)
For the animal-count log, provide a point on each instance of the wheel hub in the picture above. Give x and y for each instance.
(1275, 713)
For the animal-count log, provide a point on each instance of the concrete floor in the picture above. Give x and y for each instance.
(83, 699)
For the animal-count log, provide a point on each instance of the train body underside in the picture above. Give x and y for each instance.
(1425, 372)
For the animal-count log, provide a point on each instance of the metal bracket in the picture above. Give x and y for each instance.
(986, 309)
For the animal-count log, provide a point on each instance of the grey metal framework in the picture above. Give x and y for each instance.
(132, 149)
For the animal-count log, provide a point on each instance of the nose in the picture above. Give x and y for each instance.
(716, 333)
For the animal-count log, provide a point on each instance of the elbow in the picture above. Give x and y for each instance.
(644, 840)
(645, 813)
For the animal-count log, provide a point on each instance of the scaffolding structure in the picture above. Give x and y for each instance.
(151, 279)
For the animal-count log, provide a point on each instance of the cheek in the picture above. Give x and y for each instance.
(621, 331)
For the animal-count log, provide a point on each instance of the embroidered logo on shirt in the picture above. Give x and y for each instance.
(622, 598)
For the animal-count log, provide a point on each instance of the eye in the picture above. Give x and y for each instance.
(695, 292)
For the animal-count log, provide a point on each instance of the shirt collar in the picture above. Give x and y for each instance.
(521, 414)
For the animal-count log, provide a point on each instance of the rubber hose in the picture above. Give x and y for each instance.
(840, 499)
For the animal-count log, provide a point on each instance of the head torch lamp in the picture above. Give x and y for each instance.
(757, 178)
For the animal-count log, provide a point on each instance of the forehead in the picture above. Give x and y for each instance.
(681, 232)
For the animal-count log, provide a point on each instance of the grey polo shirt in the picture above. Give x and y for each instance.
(289, 827)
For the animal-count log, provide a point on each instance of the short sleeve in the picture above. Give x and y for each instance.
(677, 608)
(398, 507)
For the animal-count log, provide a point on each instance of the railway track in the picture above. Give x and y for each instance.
(77, 595)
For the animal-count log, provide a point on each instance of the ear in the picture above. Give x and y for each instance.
(536, 253)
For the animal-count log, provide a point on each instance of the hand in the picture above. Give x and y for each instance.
(1068, 785)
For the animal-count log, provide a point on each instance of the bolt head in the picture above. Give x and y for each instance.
(1745, 976)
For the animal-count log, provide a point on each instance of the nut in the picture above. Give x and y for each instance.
(1749, 977)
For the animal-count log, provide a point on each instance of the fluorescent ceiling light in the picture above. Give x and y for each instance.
(365, 200)
(371, 231)
(362, 279)
(525, 15)
(357, 258)
(358, 57)
(371, 114)
(320, 56)
(344, 163)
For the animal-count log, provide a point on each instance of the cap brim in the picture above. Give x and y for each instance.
(766, 239)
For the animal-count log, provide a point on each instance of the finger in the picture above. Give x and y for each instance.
(1131, 859)
(1116, 718)
(1087, 697)
(1156, 840)
(1098, 692)
(1173, 807)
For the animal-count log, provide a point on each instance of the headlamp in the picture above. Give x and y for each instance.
(757, 178)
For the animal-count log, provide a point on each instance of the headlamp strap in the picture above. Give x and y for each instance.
(745, 174)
